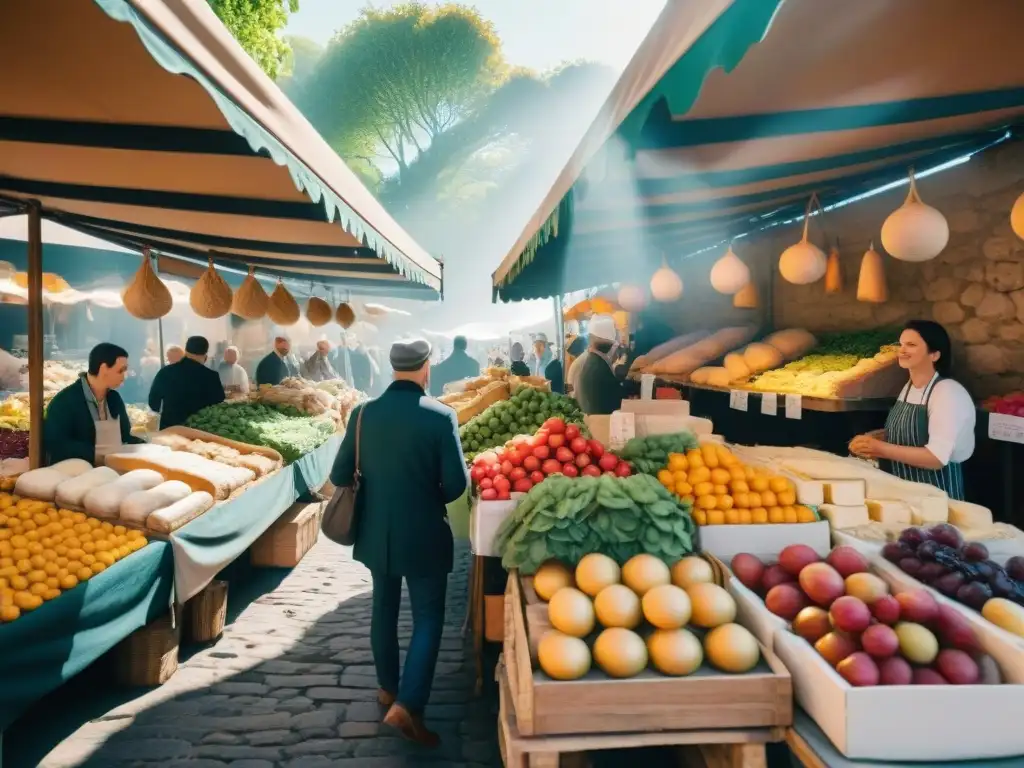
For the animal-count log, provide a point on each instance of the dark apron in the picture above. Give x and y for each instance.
(907, 425)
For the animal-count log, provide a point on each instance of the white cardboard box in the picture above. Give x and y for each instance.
(485, 519)
(677, 408)
(752, 613)
(765, 541)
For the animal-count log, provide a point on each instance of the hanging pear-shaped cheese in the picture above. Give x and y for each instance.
(803, 263)
(915, 231)
(1017, 217)
(729, 274)
(318, 312)
(146, 297)
(666, 285)
(282, 309)
(250, 300)
(210, 297)
(631, 298)
(871, 286)
(344, 315)
(834, 272)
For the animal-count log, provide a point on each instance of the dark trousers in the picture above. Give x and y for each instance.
(427, 598)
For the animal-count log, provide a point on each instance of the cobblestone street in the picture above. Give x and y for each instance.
(290, 684)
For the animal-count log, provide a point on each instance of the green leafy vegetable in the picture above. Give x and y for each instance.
(289, 434)
(522, 414)
(649, 454)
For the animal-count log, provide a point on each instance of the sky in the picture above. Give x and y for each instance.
(535, 33)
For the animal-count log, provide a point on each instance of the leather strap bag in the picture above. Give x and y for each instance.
(339, 519)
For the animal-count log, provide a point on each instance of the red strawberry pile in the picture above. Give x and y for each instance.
(556, 448)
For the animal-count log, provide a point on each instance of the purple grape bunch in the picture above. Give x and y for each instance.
(962, 570)
(13, 444)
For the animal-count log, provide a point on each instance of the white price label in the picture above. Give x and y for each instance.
(1007, 428)
(770, 404)
(621, 429)
(738, 399)
(647, 386)
(794, 407)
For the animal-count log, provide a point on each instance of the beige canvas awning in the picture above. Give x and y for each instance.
(144, 123)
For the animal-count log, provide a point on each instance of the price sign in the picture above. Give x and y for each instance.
(621, 428)
(770, 404)
(647, 386)
(1007, 428)
(794, 407)
(738, 399)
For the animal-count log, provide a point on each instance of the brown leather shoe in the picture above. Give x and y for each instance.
(411, 726)
(385, 699)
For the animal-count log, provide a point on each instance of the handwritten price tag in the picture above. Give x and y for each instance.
(770, 404)
(621, 428)
(738, 399)
(794, 407)
(1007, 428)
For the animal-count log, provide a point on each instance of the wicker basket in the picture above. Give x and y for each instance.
(149, 656)
(288, 540)
(207, 613)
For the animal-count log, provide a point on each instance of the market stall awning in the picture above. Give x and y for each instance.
(144, 123)
(733, 112)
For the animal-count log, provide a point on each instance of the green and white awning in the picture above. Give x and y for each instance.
(142, 122)
(733, 112)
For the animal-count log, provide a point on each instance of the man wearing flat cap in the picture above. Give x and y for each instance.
(187, 386)
(411, 466)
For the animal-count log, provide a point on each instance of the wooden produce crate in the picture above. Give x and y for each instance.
(207, 612)
(594, 704)
(149, 655)
(732, 748)
(288, 540)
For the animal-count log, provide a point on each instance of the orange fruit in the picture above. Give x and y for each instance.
(805, 515)
(779, 484)
(759, 484)
(746, 517)
(769, 500)
(678, 461)
(732, 517)
(720, 490)
(698, 475)
(787, 498)
(707, 502)
(720, 476)
(700, 517)
(759, 515)
(789, 514)
(723, 502)
(703, 489)
(775, 515)
(754, 500)
(739, 486)
(741, 500)
(716, 517)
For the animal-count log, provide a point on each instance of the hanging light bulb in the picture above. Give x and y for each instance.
(666, 285)
(729, 274)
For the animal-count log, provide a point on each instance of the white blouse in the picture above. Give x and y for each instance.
(951, 419)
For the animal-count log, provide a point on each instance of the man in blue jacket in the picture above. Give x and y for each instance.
(411, 466)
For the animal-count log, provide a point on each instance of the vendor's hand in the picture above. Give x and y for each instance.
(866, 445)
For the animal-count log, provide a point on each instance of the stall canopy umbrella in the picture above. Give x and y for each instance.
(732, 112)
(144, 123)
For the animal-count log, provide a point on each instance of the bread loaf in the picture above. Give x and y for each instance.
(105, 502)
(138, 506)
(170, 519)
(39, 483)
(72, 467)
(199, 473)
(71, 493)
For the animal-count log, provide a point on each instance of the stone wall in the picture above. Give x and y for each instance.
(975, 287)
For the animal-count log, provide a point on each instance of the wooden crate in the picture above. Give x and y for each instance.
(730, 748)
(288, 540)
(149, 656)
(649, 702)
(207, 612)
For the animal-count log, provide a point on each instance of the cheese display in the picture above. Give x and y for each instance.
(845, 516)
(40, 483)
(662, 351)
(72, 467)
(199, 473)
(71, 493)
(755, 358)
(105, 501)
(686, 360)
(890, 512)
(174, 516)
(138, 506)
(262, 461)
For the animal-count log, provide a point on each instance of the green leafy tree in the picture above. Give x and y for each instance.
(394, 80)
(256, 24)
(299, 63)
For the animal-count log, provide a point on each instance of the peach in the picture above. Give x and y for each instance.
(785, 600)
(880, 641)
(812, 623)
(886, 609)
(918, 606)
(822, 583)
(848, 614)
(957, 667)
(835, 646)
(847, 561)
(796, 557)
(773, 576)
(865, 586)
(859, 669)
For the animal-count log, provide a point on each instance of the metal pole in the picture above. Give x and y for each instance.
(560, 335)
(35, 334)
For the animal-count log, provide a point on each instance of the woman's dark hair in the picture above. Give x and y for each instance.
(936, 340)
(577, 346)
(104, 354)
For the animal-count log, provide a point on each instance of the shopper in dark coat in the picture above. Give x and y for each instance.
(186, 387)
(276, 367)
(600, 392)
(411, 466)
(457, 366)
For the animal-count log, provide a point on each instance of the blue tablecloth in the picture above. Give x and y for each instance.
(52, 644)
(211, 542)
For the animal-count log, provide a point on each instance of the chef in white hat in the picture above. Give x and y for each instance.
(598, 390)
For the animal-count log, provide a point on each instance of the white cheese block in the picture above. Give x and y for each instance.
(679, 408)
(845, 516)
(845, 493)
(72, 467)
(891, 512)
(963, 514)
(930, 509)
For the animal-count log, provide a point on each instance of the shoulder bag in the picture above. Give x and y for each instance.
(339, 520)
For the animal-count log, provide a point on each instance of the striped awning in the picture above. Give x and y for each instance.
(733, 112)
(144, 123)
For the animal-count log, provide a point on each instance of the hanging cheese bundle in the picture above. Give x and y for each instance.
(666, 285)
(282, 309)
(250, 300)
(1017, 217)
(146, 297)
(834, 272)
(915, 231)
(318, 312)
(344, 315)
(871, 285)
(632, 298)
(729, 274)
(746, 297)
(210, 297)
(803, 263)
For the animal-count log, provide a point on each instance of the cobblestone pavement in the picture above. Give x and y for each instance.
(291, 685)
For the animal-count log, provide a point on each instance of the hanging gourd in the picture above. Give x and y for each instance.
(318, 312)
(729, 274)
(871, 286)
(803, 263)
(834, 272)
(915, 231)
(146, 297)
(1017, 217)
(344, 315)
(631, 298)
(250, 300)
(282, 309)
(666, 285)
(746, 297)
(210, 297)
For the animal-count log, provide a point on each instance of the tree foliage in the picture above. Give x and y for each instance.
(255, 24)
(394, 80)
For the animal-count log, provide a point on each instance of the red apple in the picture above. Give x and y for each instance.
(796, 557)
(478, 473)
(748, 569)
(540, 437)
(486, 483)
(514, 457)
(956, 631)
(493, 471)
(957, 667)
(502, 483)
(774, 574)
(847, 561)
(518, 473)
(918, 606)
(505, 495)
(895, 670)
(522, 485)
(488, 494)
(608, 462)
(506, 467)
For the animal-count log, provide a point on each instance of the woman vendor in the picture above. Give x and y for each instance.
(87, 419)
(930, 430)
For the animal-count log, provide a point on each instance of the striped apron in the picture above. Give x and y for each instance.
(907, 425)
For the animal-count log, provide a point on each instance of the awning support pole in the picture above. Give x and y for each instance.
(560, 334)
(35, 334)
